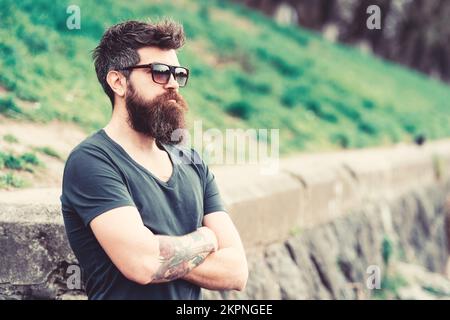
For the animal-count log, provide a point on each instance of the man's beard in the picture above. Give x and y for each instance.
(159, 117)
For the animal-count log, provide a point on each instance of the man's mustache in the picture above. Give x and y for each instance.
(170, 95)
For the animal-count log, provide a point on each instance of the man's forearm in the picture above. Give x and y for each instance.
(225, 269)
(179, 255)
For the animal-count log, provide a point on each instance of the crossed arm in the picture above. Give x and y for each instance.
(211, 257)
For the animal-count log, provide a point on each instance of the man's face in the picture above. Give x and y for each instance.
(155, 109)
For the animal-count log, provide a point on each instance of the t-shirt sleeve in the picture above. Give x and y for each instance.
(92, 185)
(212, 201)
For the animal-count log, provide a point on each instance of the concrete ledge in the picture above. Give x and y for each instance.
(264, 208)
(32, 242)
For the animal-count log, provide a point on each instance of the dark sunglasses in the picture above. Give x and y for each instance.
(161, 72)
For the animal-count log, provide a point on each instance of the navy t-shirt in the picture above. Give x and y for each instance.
(99, 175)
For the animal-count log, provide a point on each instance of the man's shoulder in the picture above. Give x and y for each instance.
(91, 147)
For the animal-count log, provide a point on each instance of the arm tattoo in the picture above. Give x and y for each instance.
(179, 255)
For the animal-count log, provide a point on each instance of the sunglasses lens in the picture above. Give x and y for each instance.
(181, 76)
(160, 73)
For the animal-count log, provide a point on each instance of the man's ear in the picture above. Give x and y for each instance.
(117, 82)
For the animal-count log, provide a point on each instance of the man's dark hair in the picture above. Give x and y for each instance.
(118, 47)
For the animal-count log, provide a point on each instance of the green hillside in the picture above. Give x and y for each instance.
(247, 72)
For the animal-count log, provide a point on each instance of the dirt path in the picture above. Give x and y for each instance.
(59, 136)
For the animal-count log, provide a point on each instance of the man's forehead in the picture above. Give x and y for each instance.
(154, 54)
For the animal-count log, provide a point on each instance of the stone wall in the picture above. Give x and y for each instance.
(311, 231)
(331, 261)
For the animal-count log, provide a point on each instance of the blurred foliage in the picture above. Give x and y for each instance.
(23, 162)
(49, 151)
(10, 138)
(390, 285)
(247, 72)
(387, 248)
(11, 163)
(11, 180)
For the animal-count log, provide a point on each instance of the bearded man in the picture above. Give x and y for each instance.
(142, 213)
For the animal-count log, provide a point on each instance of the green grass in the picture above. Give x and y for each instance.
(391, 280)
(10, 138)
(49, 151)
(387, 249)
(390, 284)
(11, 164)
(26, 161)
(435, 291)
(247, 72)
(11, 180)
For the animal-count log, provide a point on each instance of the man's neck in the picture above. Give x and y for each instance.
(120, 131)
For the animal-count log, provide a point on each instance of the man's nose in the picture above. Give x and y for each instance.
(172, 84)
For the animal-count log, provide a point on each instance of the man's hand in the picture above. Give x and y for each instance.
(179, 255)
(226, 268)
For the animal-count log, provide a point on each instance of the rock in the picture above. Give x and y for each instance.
(290, 277)
(211, 295)
(298, 248)
(262, 284)
(70, 296)
(417, 276)
(414, 293)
